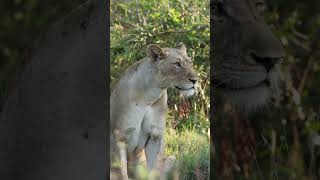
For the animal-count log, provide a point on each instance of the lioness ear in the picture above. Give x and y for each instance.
(182, 48)
(155, 52)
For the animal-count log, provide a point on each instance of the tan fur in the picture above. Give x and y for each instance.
(138, 103)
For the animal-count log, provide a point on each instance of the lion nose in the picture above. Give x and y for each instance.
(267, 62)
(193, 80)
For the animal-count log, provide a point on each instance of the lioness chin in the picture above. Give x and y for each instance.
(138, 104)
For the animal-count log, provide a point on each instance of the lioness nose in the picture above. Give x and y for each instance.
(267, 62)
(193, 80)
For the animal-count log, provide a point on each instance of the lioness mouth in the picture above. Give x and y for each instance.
(226, 86)
(182, 89)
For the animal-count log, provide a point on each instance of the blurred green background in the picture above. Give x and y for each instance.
(134, 25)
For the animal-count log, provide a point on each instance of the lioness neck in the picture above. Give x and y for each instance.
(143, 84)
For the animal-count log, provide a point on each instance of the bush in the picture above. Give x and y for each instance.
(192, 152)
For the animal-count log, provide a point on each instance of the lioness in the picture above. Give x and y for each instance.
(138, 102)
(246, 54)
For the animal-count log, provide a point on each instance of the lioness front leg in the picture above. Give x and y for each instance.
(118, 156)
(152, 151)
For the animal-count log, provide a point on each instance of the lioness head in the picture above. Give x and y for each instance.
(173, 68)
(246, 54)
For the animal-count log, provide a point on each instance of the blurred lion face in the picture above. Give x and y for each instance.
(246, 54)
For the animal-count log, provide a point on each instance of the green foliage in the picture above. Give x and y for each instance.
(192, 152)
(296, 117)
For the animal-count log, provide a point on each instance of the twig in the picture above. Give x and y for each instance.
(138, 12)
(304, 46)
(299, 34)
(184, 31)
(272, 157)
(257, 163)
(305, 73)
(285, 136)
(310, 59)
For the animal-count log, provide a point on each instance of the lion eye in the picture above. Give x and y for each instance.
(177, 64)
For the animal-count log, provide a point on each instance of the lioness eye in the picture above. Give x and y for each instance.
(177, 64)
